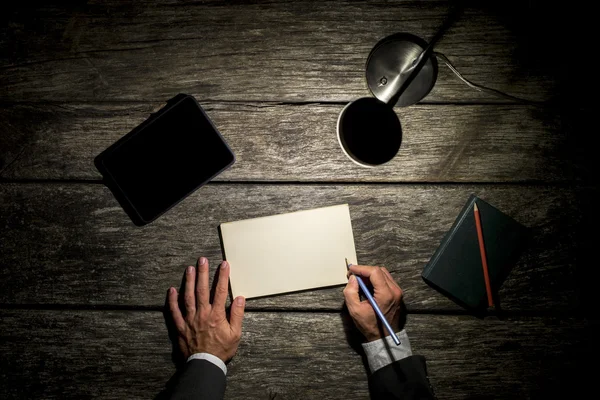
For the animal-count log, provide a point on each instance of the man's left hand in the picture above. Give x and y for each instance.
(205, 328)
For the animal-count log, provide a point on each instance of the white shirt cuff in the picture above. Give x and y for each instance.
(384, 351)
(209, 357)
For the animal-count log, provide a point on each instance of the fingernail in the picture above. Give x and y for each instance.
(240, 301)
(225, 264)
(351, 279)
(202, 260)
(172, 290)
(189, 269)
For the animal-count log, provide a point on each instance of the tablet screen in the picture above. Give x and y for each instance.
(167, 159)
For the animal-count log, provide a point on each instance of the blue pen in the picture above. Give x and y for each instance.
(375, 306)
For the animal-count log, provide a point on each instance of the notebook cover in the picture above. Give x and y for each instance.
(455, 268)
(289, 252)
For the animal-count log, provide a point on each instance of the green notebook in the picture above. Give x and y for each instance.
(455, 268)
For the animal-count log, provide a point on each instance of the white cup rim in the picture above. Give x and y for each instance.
(354, 160)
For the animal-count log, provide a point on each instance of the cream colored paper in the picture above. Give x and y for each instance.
(289, 252)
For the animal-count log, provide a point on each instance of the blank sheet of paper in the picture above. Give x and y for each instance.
(289, 252)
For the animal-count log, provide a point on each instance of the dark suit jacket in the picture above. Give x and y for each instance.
(200, 379)
(405, 379)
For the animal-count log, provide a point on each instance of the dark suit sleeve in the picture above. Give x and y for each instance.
(404, 379)
(200, 379)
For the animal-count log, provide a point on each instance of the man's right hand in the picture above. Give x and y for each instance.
(387, 295)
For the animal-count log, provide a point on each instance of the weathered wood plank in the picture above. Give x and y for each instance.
(73, 244)
(280, 50)
(81, 354)
(298, 143)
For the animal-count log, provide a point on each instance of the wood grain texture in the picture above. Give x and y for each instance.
(274, 76)
(111, 354)
(257, 51)
(469, 143)
(73, 244)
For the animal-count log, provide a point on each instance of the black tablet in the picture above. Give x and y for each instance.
(163, 160)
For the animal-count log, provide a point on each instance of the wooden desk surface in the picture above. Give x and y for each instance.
(81, 288)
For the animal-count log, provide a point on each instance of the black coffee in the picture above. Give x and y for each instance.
(370, 131)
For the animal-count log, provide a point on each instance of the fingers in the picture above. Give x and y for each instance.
(202, 287)
(222, 289)
(375, 275)
(351, 294)
(175, 311)
(391, 282)
(237, 315)
(385, 288)
(189, 295)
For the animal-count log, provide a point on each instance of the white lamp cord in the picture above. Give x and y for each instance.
(480, 88)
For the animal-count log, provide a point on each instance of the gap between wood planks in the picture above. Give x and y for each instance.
(558, 184)
(133, 308)
(275, 103)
